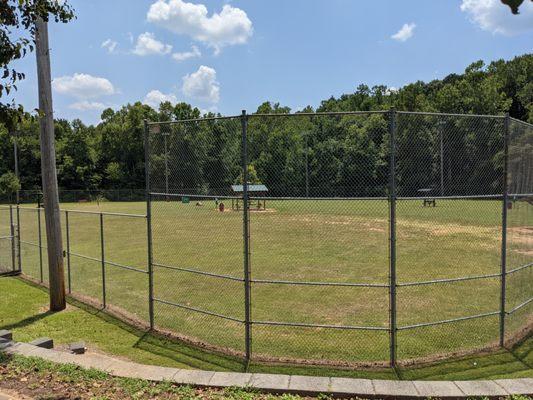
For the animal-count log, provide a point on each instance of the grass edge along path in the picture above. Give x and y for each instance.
(24, 311)
(24, 375)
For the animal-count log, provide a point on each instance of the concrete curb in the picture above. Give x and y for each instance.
(304, 385)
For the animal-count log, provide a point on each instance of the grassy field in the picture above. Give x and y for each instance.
(327, 241)
(103, 333)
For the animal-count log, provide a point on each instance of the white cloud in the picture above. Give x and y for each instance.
(147, 44)
(154, 98)
(202, 85)
(495, 17)
(229, 27)
(83, 86)
(405, 32)
(194, 53)
(87, 105)
(109, 45)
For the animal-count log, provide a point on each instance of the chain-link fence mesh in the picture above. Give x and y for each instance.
(338, 239)
(8, 243)
(519, 293)
(326, 246)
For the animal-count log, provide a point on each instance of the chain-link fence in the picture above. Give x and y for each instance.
(342, 238)
(347, 239)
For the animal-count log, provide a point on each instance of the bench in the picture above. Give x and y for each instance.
(428, 201)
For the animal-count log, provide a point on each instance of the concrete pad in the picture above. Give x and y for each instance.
(351, 387)
(150, 372)
(308, 384)
(23, 349)
(228, 379)
(516, 386)
(93, 361)
(193, 377)
(440, 389)
(47, 354)
(481, 388)
(270, 382)
(394, 388)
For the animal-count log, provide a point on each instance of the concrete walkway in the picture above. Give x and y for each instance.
(304, 385)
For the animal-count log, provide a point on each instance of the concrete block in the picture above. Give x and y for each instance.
(394, 388)
(228, 379)
(481, 388)
(44, 342)
(308, 384)
(270, 382)
(95, 361)
(77, 347)
(5, 334)
(517, 386)
(440, 389)
(351, 387)
(193, 377)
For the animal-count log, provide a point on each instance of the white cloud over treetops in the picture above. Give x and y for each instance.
(202, 85)
(230, 26)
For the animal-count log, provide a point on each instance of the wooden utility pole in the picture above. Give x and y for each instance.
(48, 169)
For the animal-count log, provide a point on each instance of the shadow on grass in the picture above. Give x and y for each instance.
(502, 363)
(28, 321)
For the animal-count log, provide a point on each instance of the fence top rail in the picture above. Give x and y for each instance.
(465, 197)
(331, 113)
(198, 196)
(452, 114)
(150, 123)
(115, 214)
(89, 212)
(327, 198)
(520, 121)
(319, 114)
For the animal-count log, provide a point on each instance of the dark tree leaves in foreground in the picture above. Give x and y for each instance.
(17, 31)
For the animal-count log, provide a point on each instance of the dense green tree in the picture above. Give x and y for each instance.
(344, 155)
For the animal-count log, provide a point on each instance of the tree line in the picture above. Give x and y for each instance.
(341, 155)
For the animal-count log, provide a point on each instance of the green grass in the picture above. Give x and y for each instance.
(106, 334)
(332, 241)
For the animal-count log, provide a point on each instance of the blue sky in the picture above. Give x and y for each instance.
(233, 55)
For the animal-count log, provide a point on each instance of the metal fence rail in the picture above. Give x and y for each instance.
(326, 238)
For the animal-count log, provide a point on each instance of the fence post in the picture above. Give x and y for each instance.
(40, 243)
(507, 122)
(12, 234)
(102, 249)
(392, 238)
(246, 241)
(18, 239)
(67, 231)
(149, 225)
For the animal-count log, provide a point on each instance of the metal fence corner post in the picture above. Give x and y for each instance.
(392, 237)
(507, 125)
(67, 233)
(246, 240)
(40, 243)
(12, 234)
(18, 240)
(149, 225)
(102, 250)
